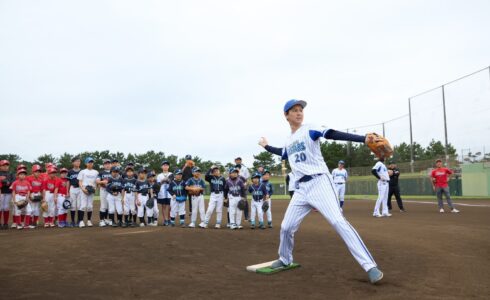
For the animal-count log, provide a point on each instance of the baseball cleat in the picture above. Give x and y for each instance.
(89, 223)
(262, 226)
(252, 226)
(152, 224)
(203, 225)
(124, 225)
(270, 224)
(20, 227)
(375, 275)
(454, 210)
(233, 227)
(14, 225)
(217, 226)
(386, 215)
(240, 227)
(441, 210)
(81, 224)
(278, 264)
(191, 225)
(142, 224)
(114, 224)
(46, 225)
(32, 227)
(102, 224)
(376, 215)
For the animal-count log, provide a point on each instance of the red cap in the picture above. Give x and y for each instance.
(52, 170)
(4, 162)
(36, 168)
(21, 167)
(49, 165)
(21, 171)
(64, 170)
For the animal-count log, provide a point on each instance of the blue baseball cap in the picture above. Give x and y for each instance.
(196, 170)
(256, 175)
(342, 162)
(188, 157)
(89, 159)
(178, 172)
(233, 169)
(165, 162)
(292, 103)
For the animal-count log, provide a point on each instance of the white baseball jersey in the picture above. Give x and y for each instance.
(88, 177)
(164, 194)
(382, 171)
(303, 151)
(339, 176)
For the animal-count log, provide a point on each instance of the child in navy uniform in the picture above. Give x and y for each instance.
(259, 194)
(142, 195)
(265, 180)
(179, 196)
(130, 211)
(115, 188)
(197, 200)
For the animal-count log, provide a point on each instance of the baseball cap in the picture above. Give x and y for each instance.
(129, 167)
(439, 160)
(214, 168)
(36, 168)
(21, 171)
(342, 162)
(89, 160)
(4, 162)
(52, 170)
(106, 161)
(196, 170)
(238, 158)
(151, 174)
(188, 157)
(142, 170)
(266, 171)
(64, 170)
(21, 166)
(115, 160)
(256, 175)
(165, 162)
(233, 169)
(178, 172)
(115, 169)
(292, 103)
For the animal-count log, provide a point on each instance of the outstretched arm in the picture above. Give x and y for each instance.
(274, 150)
(332, 134)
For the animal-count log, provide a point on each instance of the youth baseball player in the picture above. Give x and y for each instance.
(381, 173)
(142, 188)
(259, 194)
(60, 195)
(130, 211)
(102, 180)
(197, 200)
(36, 195)
(20, 190)
(217, 185)
(49, 197)
(87, 182)
(290, 182)
(179, 196)
(155, 189)
(115, 187)
(270, 191)
(6, 179)
(340, 176)
(314, 188)
(234, 191)
(74, 190)
(163, 197)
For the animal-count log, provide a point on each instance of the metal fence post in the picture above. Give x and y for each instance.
(411, 135)
(445, 126)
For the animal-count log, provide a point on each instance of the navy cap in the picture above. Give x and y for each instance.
(238, 158)
(115, 160)
(165, 162)
(130, 164)
(196, 170)
(266, 171)
(178, 172)
(188, 157)
(256, 175)
(142, 170)
(129, 167)
(89, 159)
(342, 162)
(214, 168)
(151, 174)
(106, 161)
(233, 169)
(292, 103)
(115, 169)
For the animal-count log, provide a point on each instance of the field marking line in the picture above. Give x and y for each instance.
(134, 232)
(435, 203)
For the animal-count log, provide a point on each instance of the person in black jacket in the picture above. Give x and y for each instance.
(186, 175)
(394, 188)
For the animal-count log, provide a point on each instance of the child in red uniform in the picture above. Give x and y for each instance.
(36, 182)
(440, 176)
(60, 194)
(21, 189)
(49, 189)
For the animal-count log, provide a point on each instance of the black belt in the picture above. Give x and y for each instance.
(219, 192)
(307, 178)
(339, 182)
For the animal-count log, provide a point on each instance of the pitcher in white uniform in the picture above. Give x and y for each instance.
(340, 176)
(314, 188)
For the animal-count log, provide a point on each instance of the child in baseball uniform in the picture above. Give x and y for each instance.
(36, 195)
(129, 196)
(163, 196)
(381, 173)
(234, 191)
(21, 188)
(115, 188)
(270, 190)
(87, 182)
(259, 194)
(340, 176)
(197, 200)
(49, 197)
(155, 189)
(6, 177)
(102, 180)
(179, 196)
(143, 188)
(217, 184)
(74, 190)
(60, 195)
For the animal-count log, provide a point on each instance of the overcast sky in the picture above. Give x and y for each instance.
(210, 77)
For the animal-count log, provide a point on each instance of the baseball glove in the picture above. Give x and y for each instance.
(194, 190)
(150, 203)
(226, 203)
(265, 206)
(90, 189)
(379, 145)
(37, 197)
(67, 204)
(21, 204)
(44, 206)
(242, 204)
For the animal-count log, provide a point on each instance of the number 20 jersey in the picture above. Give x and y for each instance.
(302, 150)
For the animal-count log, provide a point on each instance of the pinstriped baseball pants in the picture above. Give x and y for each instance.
(319, 193)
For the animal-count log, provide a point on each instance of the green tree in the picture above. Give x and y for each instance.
(265, 159)
(332, 152)
(46, 158)
(64, 161)
(437, 150)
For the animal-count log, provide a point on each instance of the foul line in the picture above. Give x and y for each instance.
(134, 232)
(435, 203)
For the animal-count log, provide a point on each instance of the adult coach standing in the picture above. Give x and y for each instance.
(394, 188)
(440, 175)
(314, 187)
(186, 175)
(243, 169)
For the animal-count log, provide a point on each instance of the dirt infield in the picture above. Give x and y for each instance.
(424, 254)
